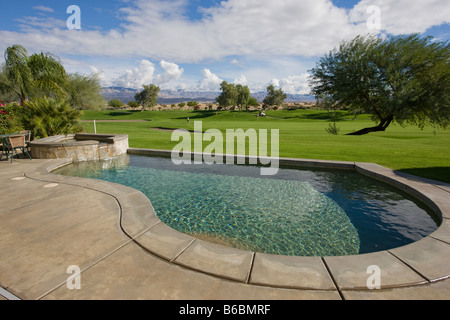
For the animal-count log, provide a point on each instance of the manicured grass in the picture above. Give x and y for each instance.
(302, 135)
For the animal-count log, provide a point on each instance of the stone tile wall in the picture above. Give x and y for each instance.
(80, 147)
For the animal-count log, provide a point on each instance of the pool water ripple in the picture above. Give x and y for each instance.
(298, 213)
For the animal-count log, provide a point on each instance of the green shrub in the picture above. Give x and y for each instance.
(332, 129)
(116, 103)
(10, 120)
(48, 117)
(253, 102)
(84, 92)
(133, 104)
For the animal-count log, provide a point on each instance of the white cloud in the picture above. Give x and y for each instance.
(161, 29)
(237, 63)
(294, 84)
(275, 82)
(263, 39)
(44, 8)
(269, 28)
(100, 74)
(137, 77)
(29, 24)
(210, 82)
(241, 80)
(158, 29)
(171, 72)
(404, 16)
(144, 73)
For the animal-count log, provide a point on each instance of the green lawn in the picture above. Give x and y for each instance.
(302, 135)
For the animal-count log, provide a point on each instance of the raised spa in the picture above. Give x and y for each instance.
(298, 212)
(80, 147)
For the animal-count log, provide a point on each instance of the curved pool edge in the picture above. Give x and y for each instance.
(421, 263)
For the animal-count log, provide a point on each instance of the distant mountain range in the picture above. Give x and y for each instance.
(176, 96)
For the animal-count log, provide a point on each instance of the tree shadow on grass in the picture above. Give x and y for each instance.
(120, 113)
(331, 116)
(328, 116)
(439, 175)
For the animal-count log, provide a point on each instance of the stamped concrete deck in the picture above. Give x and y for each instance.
(50, 222)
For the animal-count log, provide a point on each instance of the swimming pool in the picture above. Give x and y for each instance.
(298, 212)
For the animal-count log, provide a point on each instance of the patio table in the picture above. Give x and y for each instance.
(4, 142)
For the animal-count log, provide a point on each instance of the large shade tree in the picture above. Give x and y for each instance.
(84, 92)
(148, 97)
(234, 95)
(274, 97)
(403, 79)
(243, 96)
(229, 95)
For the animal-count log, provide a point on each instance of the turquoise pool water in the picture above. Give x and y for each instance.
(296, 212)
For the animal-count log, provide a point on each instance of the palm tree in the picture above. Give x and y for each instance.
(48, 117)
(35, 76)
(16, 75)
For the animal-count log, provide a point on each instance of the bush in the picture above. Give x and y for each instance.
(253, 102)
(332, 129)
(48, 117)
(84, 92)
(116, 103)
(10, 121)
(148, 97)
(133, 104)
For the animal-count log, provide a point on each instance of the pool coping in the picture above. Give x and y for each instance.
(421, 263)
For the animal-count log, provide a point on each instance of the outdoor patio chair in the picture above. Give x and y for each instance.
(2, 148)
(27, 134)
(17, 142)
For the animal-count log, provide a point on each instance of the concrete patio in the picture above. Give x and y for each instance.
(50, 222)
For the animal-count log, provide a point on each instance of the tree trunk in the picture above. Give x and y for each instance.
(23, 98)
(384, 123)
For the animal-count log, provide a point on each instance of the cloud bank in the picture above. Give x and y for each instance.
(261, 28)
(210, 82)
(232, 30)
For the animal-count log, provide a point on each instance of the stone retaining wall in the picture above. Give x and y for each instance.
(80, 147)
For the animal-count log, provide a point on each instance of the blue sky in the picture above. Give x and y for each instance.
(196, 44)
